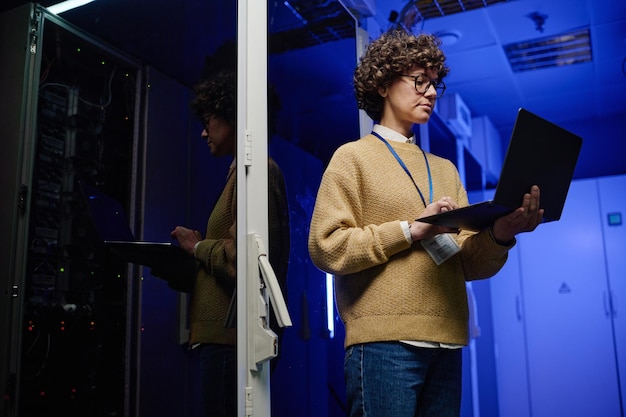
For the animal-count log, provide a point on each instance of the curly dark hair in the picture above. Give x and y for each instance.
(392, 54)
(217, 96)
(216, 92)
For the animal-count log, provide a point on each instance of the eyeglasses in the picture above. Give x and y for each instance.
(422, 84)
(205, 120)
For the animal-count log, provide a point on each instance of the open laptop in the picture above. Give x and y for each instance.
(539, 153)
(113, 229)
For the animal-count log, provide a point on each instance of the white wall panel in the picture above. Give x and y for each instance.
(510, 341)
(571, 363)
(613, 202)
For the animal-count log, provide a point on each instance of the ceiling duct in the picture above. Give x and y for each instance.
(416, 12)
(311, 22)
(361, 8)
(553, 51)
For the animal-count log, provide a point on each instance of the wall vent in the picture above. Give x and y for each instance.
(553, 51)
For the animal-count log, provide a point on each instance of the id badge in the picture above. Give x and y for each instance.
(441, 247)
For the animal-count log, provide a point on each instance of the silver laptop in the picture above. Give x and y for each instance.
(539, 153)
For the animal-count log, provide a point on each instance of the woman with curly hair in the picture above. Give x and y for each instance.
(400, 283)
(215, 105)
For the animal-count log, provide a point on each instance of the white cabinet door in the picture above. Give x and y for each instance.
(613, 216)
(509, 339)
(569, 338)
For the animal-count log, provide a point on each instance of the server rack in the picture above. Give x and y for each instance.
(69, 309)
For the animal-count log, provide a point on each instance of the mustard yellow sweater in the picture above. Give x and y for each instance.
(217, 258)
(388, 289)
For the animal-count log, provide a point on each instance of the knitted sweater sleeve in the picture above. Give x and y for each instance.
(342, 239)
(480, 256)
(217, 252)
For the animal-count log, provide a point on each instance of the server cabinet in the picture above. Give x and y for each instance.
(70, 115)
(571, 353)
(611, 191)
(558, 332)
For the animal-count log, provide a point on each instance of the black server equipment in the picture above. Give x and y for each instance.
(68, 305)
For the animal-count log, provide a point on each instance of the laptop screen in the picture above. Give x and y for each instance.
(539, 153)
(107, 214)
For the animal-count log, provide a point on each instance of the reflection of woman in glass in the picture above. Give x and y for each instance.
(215, 105)
(405, 314)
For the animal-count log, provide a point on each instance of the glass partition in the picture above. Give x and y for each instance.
(312, 54)
(168, 177)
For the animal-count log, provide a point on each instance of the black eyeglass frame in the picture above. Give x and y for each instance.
(440, 86)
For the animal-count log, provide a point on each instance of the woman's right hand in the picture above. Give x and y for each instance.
(420, 230)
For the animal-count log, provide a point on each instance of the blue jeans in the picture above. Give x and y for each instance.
(218, 364)
(394, 379)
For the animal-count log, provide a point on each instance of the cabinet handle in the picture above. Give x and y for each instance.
(607, 303)
(518, 308)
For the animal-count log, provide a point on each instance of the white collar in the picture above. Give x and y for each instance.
(391, 134)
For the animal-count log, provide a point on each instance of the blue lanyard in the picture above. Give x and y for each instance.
(395, 154)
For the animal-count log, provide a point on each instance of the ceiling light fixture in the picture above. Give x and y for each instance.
(448, 37)
(64, 6)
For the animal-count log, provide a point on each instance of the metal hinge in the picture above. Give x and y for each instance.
(248, 148)
(249, 400)
(34, 31)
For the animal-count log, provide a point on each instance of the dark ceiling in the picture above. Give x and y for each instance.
(587, 97)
